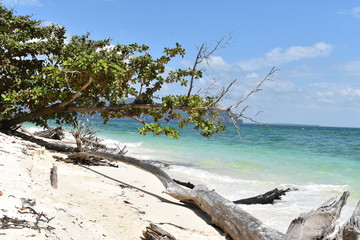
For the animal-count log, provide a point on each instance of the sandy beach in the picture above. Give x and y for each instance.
(90, 202)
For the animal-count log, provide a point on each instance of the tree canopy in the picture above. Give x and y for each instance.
(45, 76)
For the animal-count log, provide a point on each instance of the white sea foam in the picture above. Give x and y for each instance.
(34, 129)
(307, 197)
(113, 143)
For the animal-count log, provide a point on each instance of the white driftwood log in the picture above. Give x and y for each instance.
(54, 177)
(154, 232)
(240, 225)
(350, 230)
(234, 221)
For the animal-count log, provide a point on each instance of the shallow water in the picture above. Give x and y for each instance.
(321, 162)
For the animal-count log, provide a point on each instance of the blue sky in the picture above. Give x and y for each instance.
(314, 44)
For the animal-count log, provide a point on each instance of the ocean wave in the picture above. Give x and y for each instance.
(114, 143)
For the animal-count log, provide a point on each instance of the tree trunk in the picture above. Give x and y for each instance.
(316, 224)
(49, 146)
(351, 230)
(266, 198)
(237, 223)
(348, 231)
(76, 135)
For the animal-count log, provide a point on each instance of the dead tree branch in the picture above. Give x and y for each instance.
(51, 133)
(266, 198)
(154, 232)
(257, 88)
(204, 54)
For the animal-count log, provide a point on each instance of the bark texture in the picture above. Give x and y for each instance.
(266, 198)
(47, 145)
(317, 224)
(154, 232)
(54, 177)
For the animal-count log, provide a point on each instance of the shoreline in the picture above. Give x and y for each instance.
(90, 202)
(277, 216)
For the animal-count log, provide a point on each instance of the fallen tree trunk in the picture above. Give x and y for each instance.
(322, 224)
(47, 145)
(266, 198)
(237, 223)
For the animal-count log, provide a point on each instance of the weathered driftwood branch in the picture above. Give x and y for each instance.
(185, 184)
(154, 232)
(51, 133)
(349, 230)
(237, 223)
(54, 177)
(76, 135)
(33, 223)
(47, 145)
(85, 159)
(317, 224)
(62, 147)
(266, 198)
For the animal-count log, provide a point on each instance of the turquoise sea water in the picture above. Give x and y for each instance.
(321, 162)
(283, 154)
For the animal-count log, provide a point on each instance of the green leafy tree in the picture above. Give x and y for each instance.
(46, 77)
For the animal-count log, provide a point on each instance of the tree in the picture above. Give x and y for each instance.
(44, 77)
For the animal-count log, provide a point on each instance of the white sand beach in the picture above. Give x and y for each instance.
(90, 202)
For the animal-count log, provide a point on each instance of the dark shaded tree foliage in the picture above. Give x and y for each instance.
(45, 77)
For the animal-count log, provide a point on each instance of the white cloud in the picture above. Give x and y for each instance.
(252, 75)
(355, 12)
(217, 63)
(299, 93)
(275, 57)
(37, 3)
(279, 56)
(285, 101)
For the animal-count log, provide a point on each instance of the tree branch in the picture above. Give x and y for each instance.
(198, 60)
(257, 88)
(72, 98)
(202, 54)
